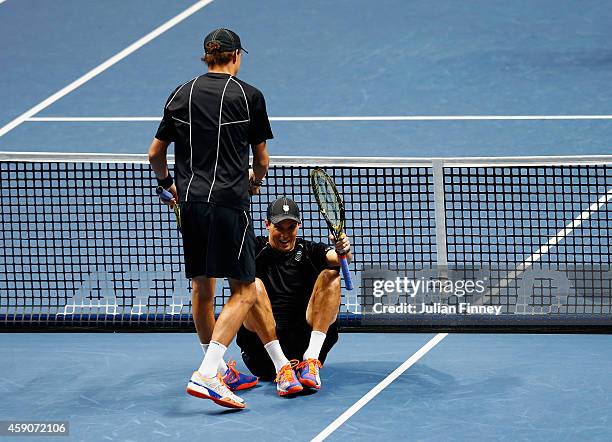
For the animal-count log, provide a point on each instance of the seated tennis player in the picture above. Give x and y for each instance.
(298, 287)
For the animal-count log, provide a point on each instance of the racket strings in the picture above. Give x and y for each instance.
(329, 201)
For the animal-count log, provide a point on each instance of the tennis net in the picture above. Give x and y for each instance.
(88, 246)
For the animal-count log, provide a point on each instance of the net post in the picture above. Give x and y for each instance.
(440, 212)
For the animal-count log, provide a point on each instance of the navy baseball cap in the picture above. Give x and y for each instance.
(282, 209)
(222, 40)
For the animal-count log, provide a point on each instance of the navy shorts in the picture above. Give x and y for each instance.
(218, 241)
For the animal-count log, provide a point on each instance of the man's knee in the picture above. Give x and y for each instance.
(330, 278)
(260, 288)
(247, 291)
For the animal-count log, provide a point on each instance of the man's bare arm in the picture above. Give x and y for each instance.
(157, 158)
(159, 163)
(261, 160)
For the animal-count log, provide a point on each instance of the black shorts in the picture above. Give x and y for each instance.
(293, 341)
(217, 241)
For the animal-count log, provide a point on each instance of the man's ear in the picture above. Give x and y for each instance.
(235, 56)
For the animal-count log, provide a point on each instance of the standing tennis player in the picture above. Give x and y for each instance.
(212, 119)
(302, 282)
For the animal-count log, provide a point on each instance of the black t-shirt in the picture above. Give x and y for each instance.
(290, 277)
(212, 119)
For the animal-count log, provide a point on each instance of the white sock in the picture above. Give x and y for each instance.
(315, 345)
(212, 359)
(222, 365)
(276, 354)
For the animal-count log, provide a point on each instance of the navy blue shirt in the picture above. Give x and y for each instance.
(290, 277)
(212, 120)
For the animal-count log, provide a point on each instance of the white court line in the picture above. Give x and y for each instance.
(605, 199)
(380, 387)
(92, 119)
(104, 66)
(552, 242)
(354, 118)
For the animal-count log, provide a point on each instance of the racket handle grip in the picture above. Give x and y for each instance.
(346, 274)
(163, 193)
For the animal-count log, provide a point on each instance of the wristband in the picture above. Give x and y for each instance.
(166, 182)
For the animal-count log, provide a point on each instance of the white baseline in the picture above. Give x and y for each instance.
(104, 66)
(350, 118)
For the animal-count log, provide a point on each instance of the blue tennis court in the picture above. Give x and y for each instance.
(477, 131)
(469, 386)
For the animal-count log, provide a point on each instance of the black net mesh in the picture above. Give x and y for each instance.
(546, 225)
(87, 244)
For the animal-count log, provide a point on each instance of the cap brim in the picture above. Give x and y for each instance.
(241, 48)
(278, 218)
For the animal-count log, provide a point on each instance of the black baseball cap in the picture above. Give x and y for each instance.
(225, 41)
(282, 209)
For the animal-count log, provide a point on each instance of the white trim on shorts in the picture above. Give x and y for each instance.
(243, 234)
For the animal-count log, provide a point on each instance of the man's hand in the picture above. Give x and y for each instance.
(175, 198)
(253, 186)
(343, 245)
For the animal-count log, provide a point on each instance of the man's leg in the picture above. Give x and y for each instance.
(205, 383)
(260, 320)
(203, 306)
(324, 302)
(203, 309)
(232, 315)
(321, 312)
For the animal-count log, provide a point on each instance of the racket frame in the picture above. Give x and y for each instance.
(335, 230)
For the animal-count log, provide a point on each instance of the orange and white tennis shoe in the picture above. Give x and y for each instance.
(308, 373)
(286, 382)
(238, 381)
(214, 389)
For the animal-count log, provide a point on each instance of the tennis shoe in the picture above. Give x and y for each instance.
(238, 381)
(308, 373)
(286, 382)
(214, 389)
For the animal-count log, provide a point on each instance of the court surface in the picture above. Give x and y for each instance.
(469, 386)
(388, 78)
(533, 60)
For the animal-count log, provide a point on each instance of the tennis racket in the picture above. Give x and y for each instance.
(167, 196)
(332, 210)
